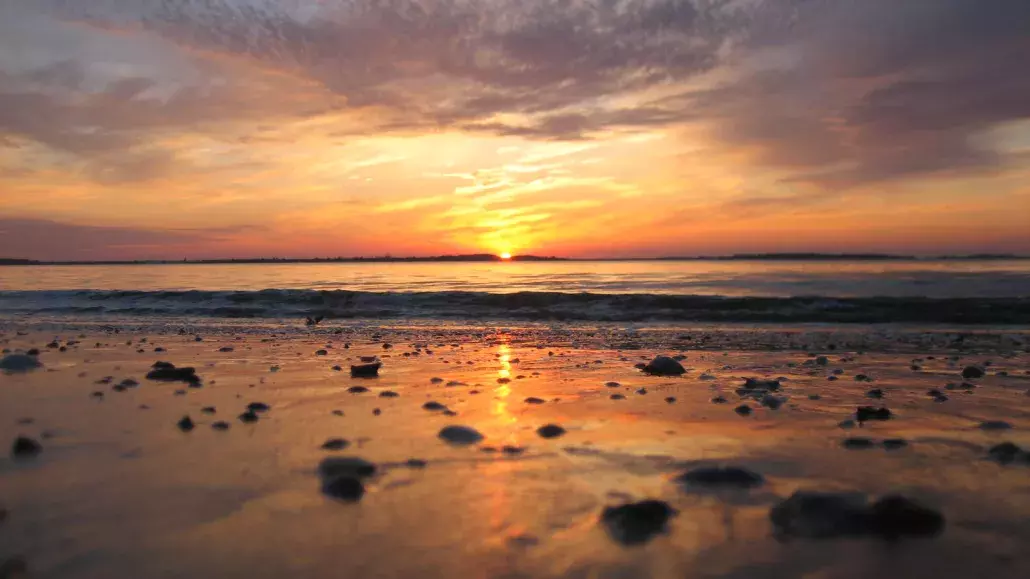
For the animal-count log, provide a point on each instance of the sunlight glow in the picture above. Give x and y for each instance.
(505, 256)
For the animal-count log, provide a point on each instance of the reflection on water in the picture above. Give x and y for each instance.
(503, 391)
(950, 278)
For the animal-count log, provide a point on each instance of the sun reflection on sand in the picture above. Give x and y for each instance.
(502, 392)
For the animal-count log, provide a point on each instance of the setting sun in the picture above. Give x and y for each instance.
(505, 256)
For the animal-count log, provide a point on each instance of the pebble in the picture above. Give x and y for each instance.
(722, 476)
(857, 443)
(25, 447)
(335, 444)
(617, 397)
(1005, 453)
(220, 425)
(460, 435)
(876, 393)
(972, 372)
(550, 431)
(357, 389)
(894, 443)
(388, 394)
(612, 384)
(365, 370)
(337, 466)
(823, 515)
(637, 523)
(719, 400)
(991, 425)
(743, 410)
(533, 400)
(670, 399)
(167, 372)
(185, 424)
(433, 406)
(208, 410)
(249, 416)
(344, 488)
(258, 407)
(864, 413)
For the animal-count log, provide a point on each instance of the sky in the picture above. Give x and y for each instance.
(135, 129)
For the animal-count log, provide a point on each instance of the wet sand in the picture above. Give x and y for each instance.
(119, 490)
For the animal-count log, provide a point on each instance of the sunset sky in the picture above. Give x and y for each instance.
(234, 128)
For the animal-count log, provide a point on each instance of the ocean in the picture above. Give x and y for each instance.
(921, 291)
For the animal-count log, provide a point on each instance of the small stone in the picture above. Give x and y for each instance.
(357, 390)
(612, 384)
(719, 400)
(220, 425)
(365, 370)
(743, 410)
(435, 380)
(994, 425)
(335, 444)
(876, 393)
(508, 449)
(972, 372)
(460, 435)
(533, 400)
(846, 424)
(617, 397)
(670, 399)
(185, 424)
(722, 476)
(895, 516)
(815, 514)
(167, 372)
(865, 413)
(550, 431)
(258, 407)
(249, 416)
(226, 349)
(1005, 453)
(857, 443)
(415, 463)
(208, 410)
(388, 394)
(352, 466)
(344, 488)
(433, 406)
(664, 366)
(321, 352)
(25, 447)
(771, 402)
(894, 443)
(636, 523)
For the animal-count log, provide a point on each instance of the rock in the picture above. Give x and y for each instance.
(757, 386)
(617, 397)
(670, 399)
(25, 447)
(357, 390)
(17, 363)
(508, 449)
(894, 443)
(719, 400)
(636, 523)
(388, 394)
(226, 349)
(460, 435)
(819, 515)
(876, 393)
(864, 413)
(185, 424)
(862, 378)
(743, 410)
(433, 406)
(641, 391)
(822, 361)
(365, 370)
(321, 352)
(612, 384)
(771, 402)
(1005, 453)
(550, 431)
(344, 488)
(208, 410)
(664, 366)
(249, 417)
(722, 476)
(167, 372)
(533, 400)
(994, 425)
(335, 444)
(415, 463)
(972, 372)
(351, 466)
(220, 425)
(895, 516)
(258, 407)
(857, 443)
(436, 380)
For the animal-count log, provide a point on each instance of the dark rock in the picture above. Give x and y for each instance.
(344, 488)
(617, 397)
(995, 425)
(185, 424)
(208, 410)
(1005, 453)
(226, 349)
(719, 400)
(249, 416)
(612, 384)
(857, 443)
(258, 407)
(664, 366)
(743, 410)
(895, 516)
(166, 372)
(365, 370)
(16, 363)
(533, 400)
(722, 476)
(433, 406)
(670, 399)
(972, 372)
(636, 523)
(335, 444)
(388, 394)
(25, 447)
(321, 352)
(460, 435)
(771, 402)
(550, 431)
(862, 378)
(220, 425)
(758, 386)
(876, 393)
(865, 413)
(508, 449)
(894, 443)
(351, 466)
(416, 463)
(357, 390)
(819, 515)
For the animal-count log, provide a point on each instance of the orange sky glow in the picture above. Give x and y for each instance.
(159, 132)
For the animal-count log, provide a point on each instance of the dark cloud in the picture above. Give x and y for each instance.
(835, 92)
(44, 239)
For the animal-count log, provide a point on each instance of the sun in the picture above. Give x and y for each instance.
(505, 256)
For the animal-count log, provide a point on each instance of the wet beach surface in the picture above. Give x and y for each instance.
(125, 486)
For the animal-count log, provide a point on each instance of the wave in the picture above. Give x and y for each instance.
(542, 306)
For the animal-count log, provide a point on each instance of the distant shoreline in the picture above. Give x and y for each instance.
(488, 258)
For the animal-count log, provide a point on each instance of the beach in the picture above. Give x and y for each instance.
(121, 489)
